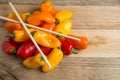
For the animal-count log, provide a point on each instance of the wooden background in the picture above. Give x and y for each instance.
(99, 20)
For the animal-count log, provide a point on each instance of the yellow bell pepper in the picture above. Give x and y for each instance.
(64, 27)
(34, 61)
(21, 35)
(46, 39)
(54, 58)
(22, 15)
(63, 15)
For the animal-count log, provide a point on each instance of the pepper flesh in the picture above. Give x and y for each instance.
(46, 39)
(63, 15)
(54, 58)
(34, 61)
(64, 27)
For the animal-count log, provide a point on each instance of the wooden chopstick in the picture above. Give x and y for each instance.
(43, 29)
(27, 31)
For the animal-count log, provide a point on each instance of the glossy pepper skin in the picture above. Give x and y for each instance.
(46, 39)
(21, 35)
(26, 49)
(22, 15)
(54, 58)
(12, 26)
(38, 17)
(64, 27)
(49, 26)
(45, 50)
(67, 47)
(9, 48)
(11, 40)
(34, 61)
(82, 44)
(47, 6)
(63, 15)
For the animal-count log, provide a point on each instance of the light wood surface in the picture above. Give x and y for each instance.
(100, 61)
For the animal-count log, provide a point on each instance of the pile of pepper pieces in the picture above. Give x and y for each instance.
(53, 46)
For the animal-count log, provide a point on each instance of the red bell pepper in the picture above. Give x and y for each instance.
(9, 47)
(67, 47)
(26, 49)
(82, 44)
(45, 50)
(11, 40)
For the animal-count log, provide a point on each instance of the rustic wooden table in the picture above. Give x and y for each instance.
(96, 19)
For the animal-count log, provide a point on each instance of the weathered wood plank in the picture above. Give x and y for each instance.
(101, 61)
(84, 17)
(69, 2)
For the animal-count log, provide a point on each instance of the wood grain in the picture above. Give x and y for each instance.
(100, 61)
(69, 2)
(85, 17)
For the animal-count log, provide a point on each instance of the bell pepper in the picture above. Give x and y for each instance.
(64, 27)
(63, 15)
(46, 39)
(38, 17)
(21, 35)
(45, 50)
(26, 49)
(11, 26)
(47, 6)
(54, 58)
(11, 40)
(82, 44)
(67, 47)
(9, 48)
(22, 15)
(34, 61)
(49, 26)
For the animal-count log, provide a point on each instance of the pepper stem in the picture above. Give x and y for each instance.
(13, 51)
(12, 35)
(57, 21)
(73, 51)
(32, 33)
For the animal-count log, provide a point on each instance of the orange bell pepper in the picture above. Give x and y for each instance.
(49, 26)
(11, 26)
(38, 17)
(47, 6)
